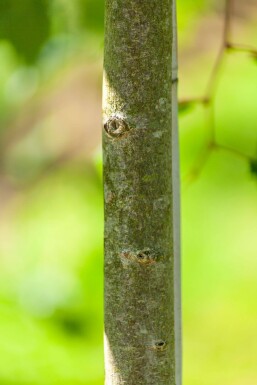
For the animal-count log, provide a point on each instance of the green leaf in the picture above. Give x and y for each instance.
(25, 23)
(185, 106)
(253, 167)
(254, 56)
(92, 12)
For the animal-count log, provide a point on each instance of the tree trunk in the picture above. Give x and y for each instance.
(142, 269)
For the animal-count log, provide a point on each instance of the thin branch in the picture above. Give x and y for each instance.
(234, 151)
(210, 90)
(228, 21)
(209, 95)
(241, 48)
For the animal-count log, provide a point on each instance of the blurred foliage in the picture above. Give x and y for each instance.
(93, 14)
(253, 167)
(25, 24)
(51, 225)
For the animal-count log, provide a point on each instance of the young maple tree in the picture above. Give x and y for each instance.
(141, 189)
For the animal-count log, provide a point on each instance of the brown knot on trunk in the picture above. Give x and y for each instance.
(116, 127)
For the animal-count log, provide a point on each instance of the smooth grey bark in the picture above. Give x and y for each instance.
(140, 147)
(176, 207)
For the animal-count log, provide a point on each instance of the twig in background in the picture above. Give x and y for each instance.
(208, 98)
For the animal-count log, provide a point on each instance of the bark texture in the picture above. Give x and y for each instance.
(141, 247)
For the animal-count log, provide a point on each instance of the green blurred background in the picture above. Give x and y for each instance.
(51, 225)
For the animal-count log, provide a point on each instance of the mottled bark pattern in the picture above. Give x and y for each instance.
(137, 141)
